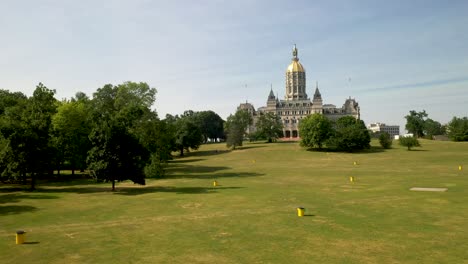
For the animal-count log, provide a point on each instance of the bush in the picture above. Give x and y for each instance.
(385, 140)
(409, 142)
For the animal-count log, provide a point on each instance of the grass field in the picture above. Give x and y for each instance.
(251, 216)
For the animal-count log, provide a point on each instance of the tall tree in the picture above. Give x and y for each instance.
(415, 122)
(211, 125)
(315, 130)
(457, 129)
(269, 126)
(117, 152)
(187, 134)
(350, 135)
(236, 126)
(26, 126)
(71, 129)
(432, 128)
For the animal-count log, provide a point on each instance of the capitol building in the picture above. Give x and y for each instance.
(296, 104)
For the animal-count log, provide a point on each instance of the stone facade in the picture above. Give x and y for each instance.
(296, 104)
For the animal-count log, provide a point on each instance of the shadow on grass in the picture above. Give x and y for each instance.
(185, 168)
(203, 153)
(137, 190)
(182, 160)
(213, 176)
(14, 198)
(31, 243)
(372, 149)
(16, 209)
(170, 189)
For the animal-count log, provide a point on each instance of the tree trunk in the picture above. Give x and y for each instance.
(33, 181)
(113, 185)
(182, 152)
(73, 171)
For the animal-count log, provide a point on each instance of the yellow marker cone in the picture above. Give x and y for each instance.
(215, 183)
(300, 211)
(460, 167)
(355, 163)
(351, 178)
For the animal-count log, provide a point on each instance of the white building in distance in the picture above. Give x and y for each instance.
(393, 130)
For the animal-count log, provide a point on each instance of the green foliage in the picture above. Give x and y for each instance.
(457, 129)
(385, 140)
(25, 126)
(187, 134)
(119, 114)
(211, 125)
(409, 142)
(235, 127)
(350, 135)
(269, 126)
(415, 123)
(432, 128)
(315, 130)
(71, 127)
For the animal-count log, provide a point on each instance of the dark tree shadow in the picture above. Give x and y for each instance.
(203, 153)
(137, 190)
(212, 176)
(14, 198)
(31, 243)
(16, 209)
(372, 149)
(185, 168)
(182, 160)
(170, 189)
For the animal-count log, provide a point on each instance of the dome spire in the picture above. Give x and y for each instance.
(294, 52)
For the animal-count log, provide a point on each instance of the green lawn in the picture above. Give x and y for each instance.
(251, 216)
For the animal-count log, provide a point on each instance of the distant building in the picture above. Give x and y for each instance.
(296, 104)
(381, 127)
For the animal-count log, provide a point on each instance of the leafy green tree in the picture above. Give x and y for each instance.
(385, 140)
(236, 126)
(26, 126)
(187, 134)
(118, 113)
(211, 125)
(350, 135)
(269, 126)
(432, 128)
(415, 123)
(457, 129)
(12, 126)
(409, 142)
(71, 129)
(315, 130)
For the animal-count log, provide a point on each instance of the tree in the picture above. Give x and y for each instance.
(26, 128)
(269, 126)
(385, 140)
(71, 128)
(315, 130)
(118, 113)
(211, 125)
(235, 127)
(457, 129)
(409, 142)
(187, 134)
(415, 123)
(350, 135)
(432, 128)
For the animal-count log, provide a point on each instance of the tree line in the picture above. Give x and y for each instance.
(115, 134)
(421, 126)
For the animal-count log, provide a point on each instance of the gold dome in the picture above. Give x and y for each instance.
(295, 66)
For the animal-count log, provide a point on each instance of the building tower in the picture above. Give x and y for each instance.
(317, 104)
(295, 79)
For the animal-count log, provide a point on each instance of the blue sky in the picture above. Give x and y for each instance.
(392, 56)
